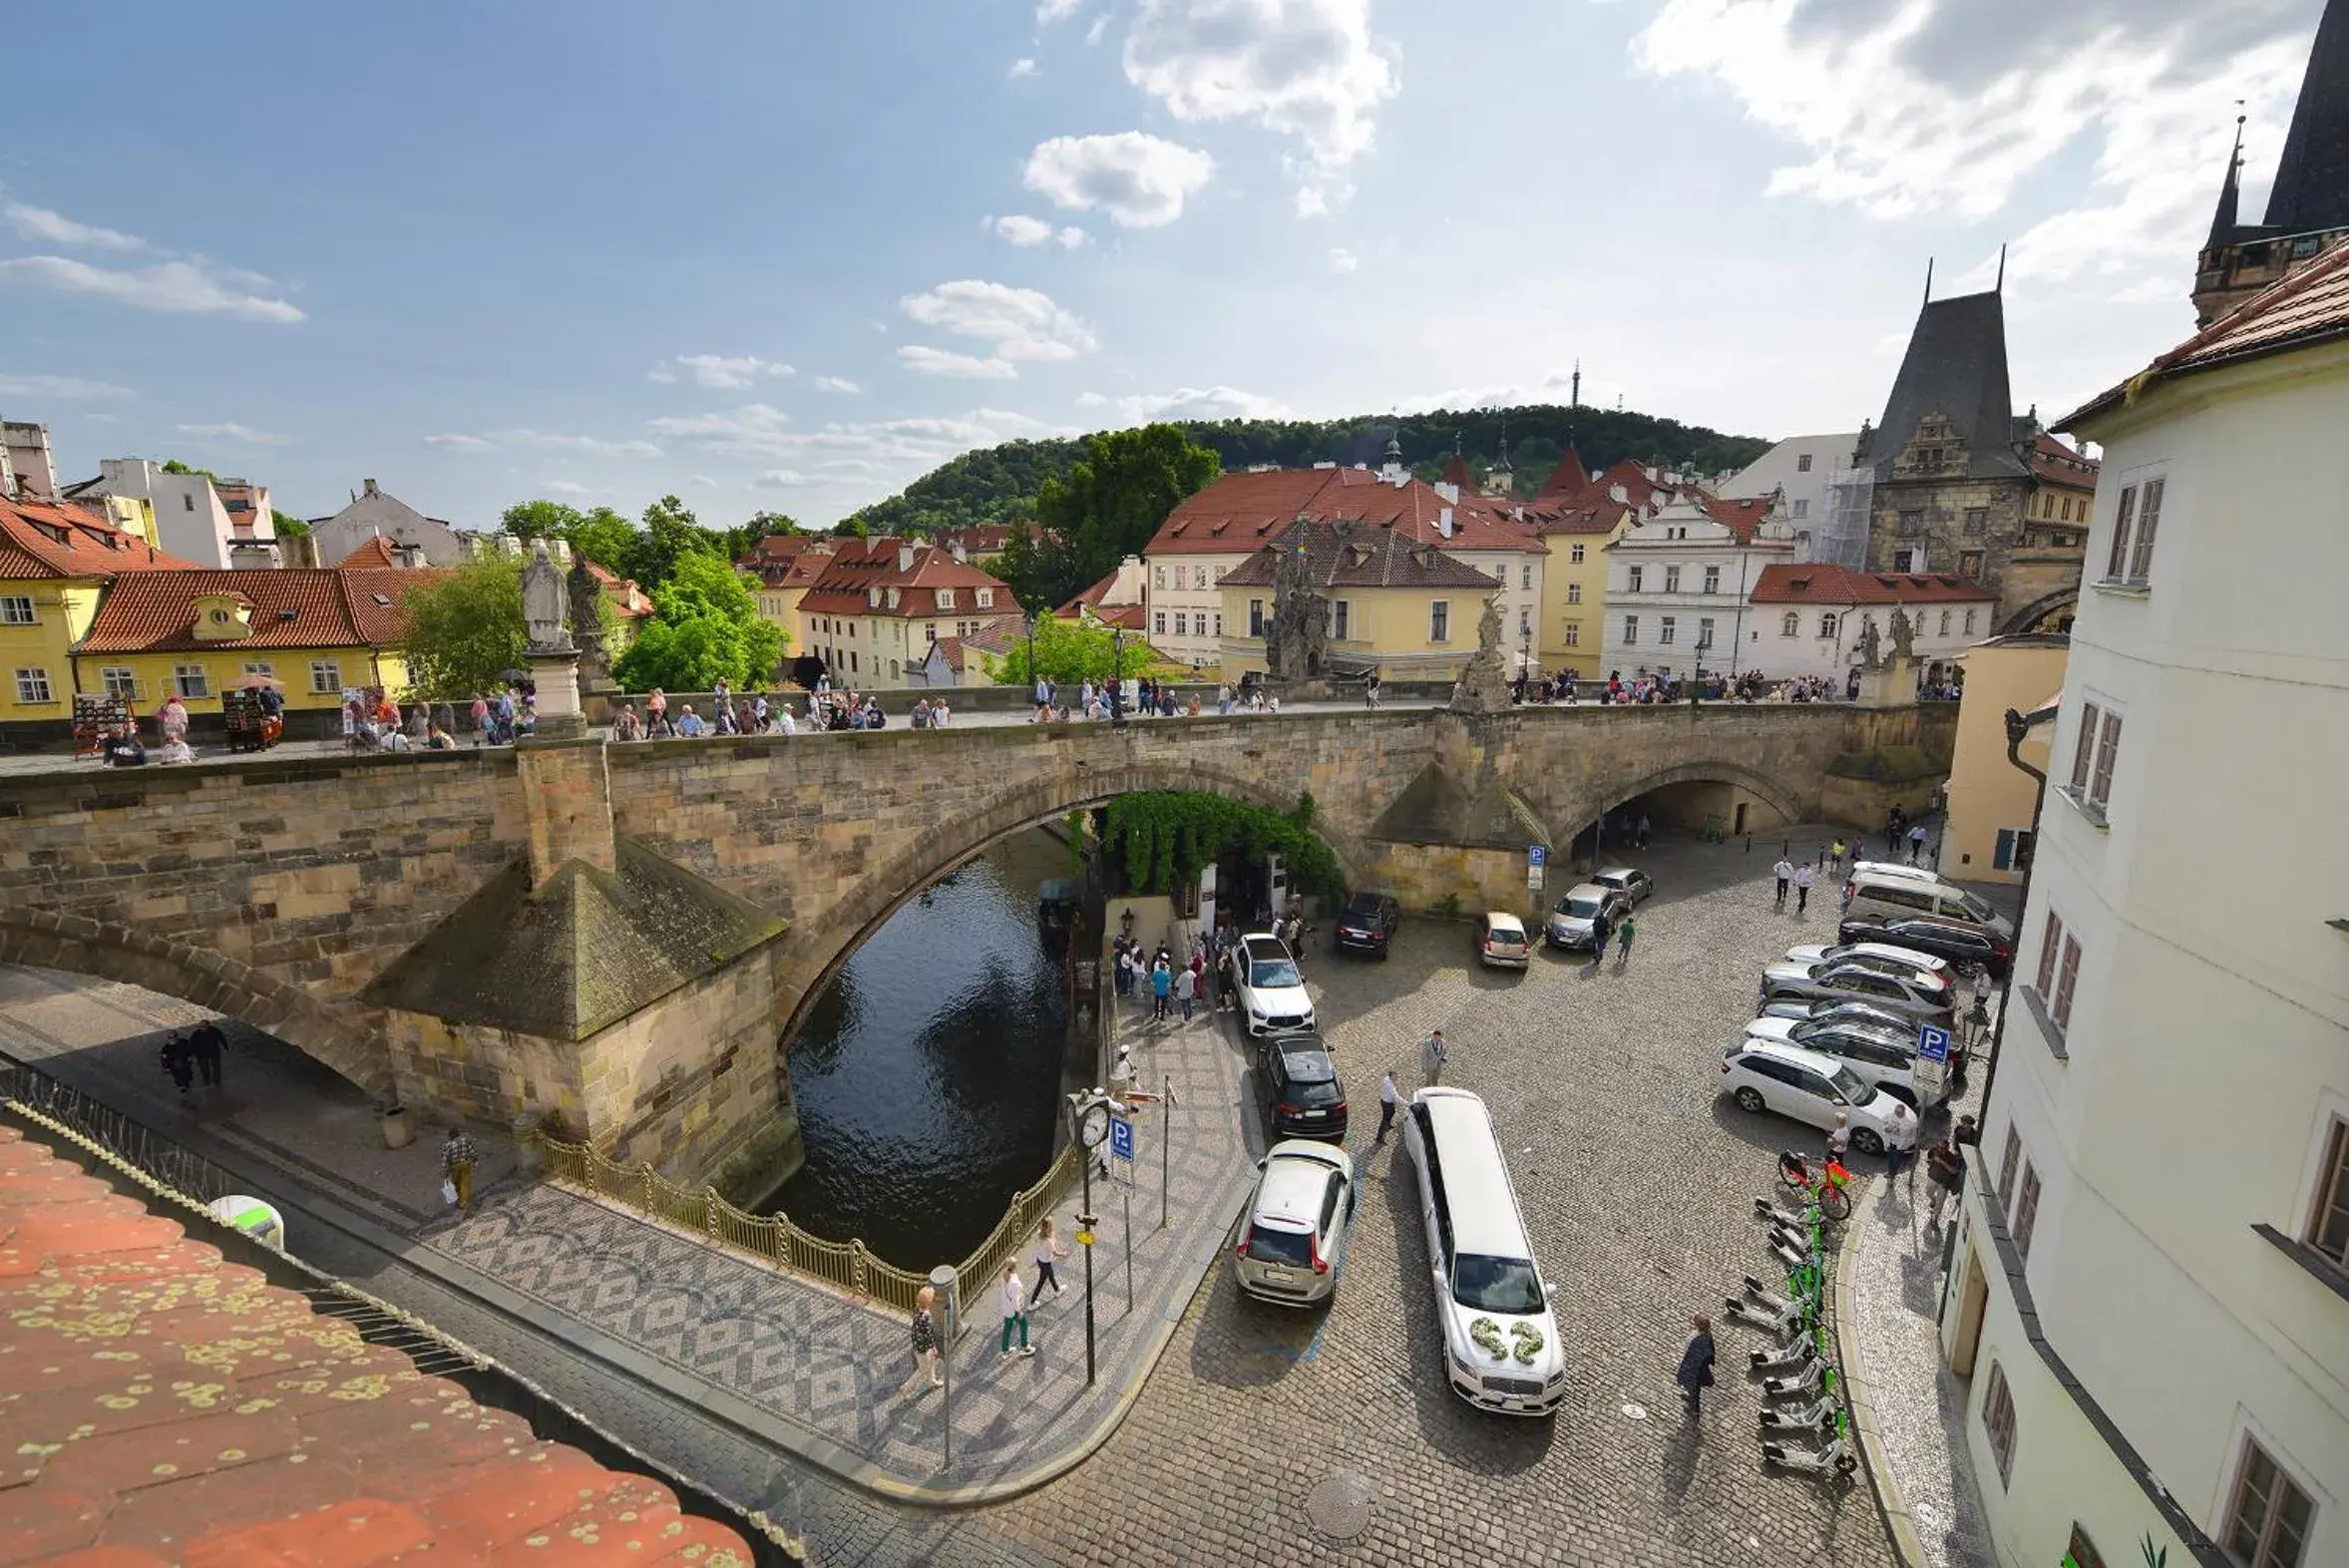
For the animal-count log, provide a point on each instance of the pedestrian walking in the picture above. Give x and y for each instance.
(1623, 935)
(1161, 991)
(457, 1157)
(1916, 844)
(1646, 829)
(209, 1045)
(1945, 1168)
(1015, 1310)
(1601, 930)
(1048, 1250)
(1390, 1097)
(179, 1059)
(1226, 988)
(1432, 1057)
(1186, 989)
(1803, 877)
(1840, 1138)
(1785, 872)
(1836, 856)
(925, 1344)
(1696, 1363)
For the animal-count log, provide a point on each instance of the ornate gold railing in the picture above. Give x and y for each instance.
(775, 1238)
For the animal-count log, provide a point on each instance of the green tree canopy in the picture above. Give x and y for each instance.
(464, 630)
(1114, 500)
(1068, 654)
(287, 525)
(705, 625)
(1164, 838)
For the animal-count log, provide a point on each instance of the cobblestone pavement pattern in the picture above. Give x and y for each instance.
(1635, 1178)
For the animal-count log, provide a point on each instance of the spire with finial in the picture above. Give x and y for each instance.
(2224, 221)
(1577, 384)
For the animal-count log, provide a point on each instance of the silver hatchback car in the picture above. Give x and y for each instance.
(1293, 1244)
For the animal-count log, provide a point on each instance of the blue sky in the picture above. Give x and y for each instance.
(790, 255)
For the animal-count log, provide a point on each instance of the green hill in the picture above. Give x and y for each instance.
(999, 484)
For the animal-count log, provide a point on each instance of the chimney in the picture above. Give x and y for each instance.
(370, 484)
(1448, 491)
(1444, 522)
(905, 557)
(24, 459)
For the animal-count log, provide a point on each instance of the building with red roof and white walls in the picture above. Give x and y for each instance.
(1811, 618)
(877, 604)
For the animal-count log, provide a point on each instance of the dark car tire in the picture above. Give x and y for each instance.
(1751, 1098)
(1865, 1140)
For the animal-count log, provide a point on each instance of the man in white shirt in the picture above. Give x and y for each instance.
(1388, 1097)
(1803, 881)
(1785, 872)
(1014, 1309)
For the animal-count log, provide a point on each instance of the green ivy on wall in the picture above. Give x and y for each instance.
(1165, 837)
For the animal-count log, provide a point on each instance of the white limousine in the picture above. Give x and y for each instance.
(1500, 1343)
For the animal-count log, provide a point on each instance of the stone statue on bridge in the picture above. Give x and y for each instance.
(542, 605)
(1298, 628)
(1872, 647)
(586, 621)
(1485, 684)
(1904, 635)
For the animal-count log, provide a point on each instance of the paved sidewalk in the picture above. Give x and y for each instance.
(1891, 1340)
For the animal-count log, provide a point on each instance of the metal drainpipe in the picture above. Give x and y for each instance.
(2018, 727)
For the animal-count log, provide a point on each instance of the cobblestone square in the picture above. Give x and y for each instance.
(1636, 1179)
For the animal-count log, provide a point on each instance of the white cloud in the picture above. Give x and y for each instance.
(704, 481)
(756, 430)
(1023, 230)
(1073, 239)
(1203, 403)
(1094, 33)
(783, 479)
(461, 443)
(192, 286)
(1023, 66)
(1342, 260)
(234, 433)
(38, 223)
(753, 428)
(1091, 400)
(593, 444)
(837, 384)
(1141, 181)
(942, 362)
(563, 487)
(1965, 101)
(1016, 323)
(1307, 69)
(1051, 11)
(723, 372)
(59, 387)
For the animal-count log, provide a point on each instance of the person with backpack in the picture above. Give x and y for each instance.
(1945, 1168)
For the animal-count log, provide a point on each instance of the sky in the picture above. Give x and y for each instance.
(785, 257)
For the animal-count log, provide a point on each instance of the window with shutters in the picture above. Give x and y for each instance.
(2328, 1223)
(2057, 976)
(2025, 1218)
(1998, 1421)
(2095, 755)
(2137, 519)
(2270, 1519)
(2008, 1161)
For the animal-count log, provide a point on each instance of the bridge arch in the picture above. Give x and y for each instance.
(44, 939)
(1572, 818)
(815, 955)
(2041, 614)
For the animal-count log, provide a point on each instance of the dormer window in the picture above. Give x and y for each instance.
(986, 598)
(872, 599)
(946, 599)
(893, 598)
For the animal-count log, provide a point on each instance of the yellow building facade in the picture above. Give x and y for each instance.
(1574, 598)
(1991, 801)
(55, 564)
(1411, 610)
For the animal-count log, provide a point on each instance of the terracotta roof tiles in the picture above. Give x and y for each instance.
(376, 553)
(296, 607)
(42, 539)
(1821, 582)
(1352, 555)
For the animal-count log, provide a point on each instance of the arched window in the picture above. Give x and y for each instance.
(1827, 624)
(1792, 626)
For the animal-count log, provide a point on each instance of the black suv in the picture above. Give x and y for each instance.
(1301, 1095)
(1962, 943)
(1368, 923)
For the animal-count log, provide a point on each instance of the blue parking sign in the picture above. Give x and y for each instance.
(1537, 853)
(1122, 1137)
(1933, 1043)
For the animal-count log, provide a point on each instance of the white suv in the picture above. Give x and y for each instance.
(1768, 1076)
(1884, 1055)
(1294, 1241)
(1272, 998)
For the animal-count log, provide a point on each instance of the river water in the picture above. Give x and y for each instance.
(927, 1075)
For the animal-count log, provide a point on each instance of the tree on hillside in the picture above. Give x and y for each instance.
(1068, 652)
(705, 624)
(853, 526)
(464, 628)
(1112, 501)
(1022, 569)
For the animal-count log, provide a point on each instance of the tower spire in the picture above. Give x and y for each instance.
(2230, 190)
(2000, 286)
(2311, 189)
(1577, 381)
(1928, 280)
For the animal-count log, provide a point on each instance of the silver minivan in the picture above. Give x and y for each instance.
(1904, 892)
(1293, 1243)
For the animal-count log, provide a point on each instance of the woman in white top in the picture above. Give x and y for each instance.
(1048, 1250)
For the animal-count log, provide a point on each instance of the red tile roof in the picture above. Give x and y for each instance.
(1457, 472)
(166, 1406)
(2057, 463)
(775, 548)
(377, 552)
(622, 597)
(1239, 512)
(1741, 517)
(1130, 614)
(1568, 480)
(858, 565)
(2308, 307)
(1821, 583)
(297, 607)
(981, 539)
(1354, 554)
(40, 540)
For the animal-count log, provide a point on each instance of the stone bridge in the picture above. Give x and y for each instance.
(407, 919)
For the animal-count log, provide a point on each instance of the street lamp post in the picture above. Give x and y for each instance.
(1033, 678)
(1117, 678)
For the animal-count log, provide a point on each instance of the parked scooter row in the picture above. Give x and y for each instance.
(1800, 1369)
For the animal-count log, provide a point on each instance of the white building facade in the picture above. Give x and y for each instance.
(191, 518)
(1798, 469)
(2147, 1293)
(1677, 582)
(1812, 618)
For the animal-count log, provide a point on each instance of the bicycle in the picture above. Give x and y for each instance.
(1829, 1189)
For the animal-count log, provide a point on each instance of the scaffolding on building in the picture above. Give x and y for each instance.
(1851, 495)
